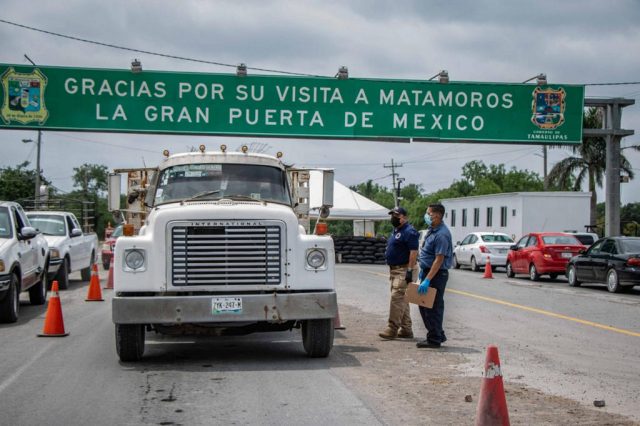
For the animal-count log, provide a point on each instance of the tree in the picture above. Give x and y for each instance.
(588, 162)
(90, 178)
(18, 183)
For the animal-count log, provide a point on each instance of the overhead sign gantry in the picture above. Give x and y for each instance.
(106, 100)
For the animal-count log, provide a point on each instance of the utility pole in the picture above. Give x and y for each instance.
(400, 180)
(544, 157)
(394, 175)
(36, 198)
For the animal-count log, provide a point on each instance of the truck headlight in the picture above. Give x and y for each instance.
(134, 260)
(1, 265)
(316, 258)
(54, 253)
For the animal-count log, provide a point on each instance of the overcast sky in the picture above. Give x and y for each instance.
(573, 42)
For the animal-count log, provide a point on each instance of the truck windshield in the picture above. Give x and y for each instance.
(211, 181)
(5, 223)
(48, 224)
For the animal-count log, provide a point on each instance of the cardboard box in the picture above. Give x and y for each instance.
(426, 300)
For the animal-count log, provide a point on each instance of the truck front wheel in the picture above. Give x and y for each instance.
(317, 337)
(130, 342)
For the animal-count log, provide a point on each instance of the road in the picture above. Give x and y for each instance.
(580, 344)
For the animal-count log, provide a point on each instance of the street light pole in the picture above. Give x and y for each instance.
(36, 194)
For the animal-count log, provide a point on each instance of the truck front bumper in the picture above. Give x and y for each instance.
(270, 307)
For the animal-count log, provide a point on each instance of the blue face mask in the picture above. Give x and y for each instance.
(427, 219)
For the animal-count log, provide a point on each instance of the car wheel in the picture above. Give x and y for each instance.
(613, 283)
(130, 342)
(572, 276)
(38, 293)
(455, 262)
(317, 337)
(509, 269)
(474, 264)
(553, 276)
(533, 273)
(63, 275)
(10, 305)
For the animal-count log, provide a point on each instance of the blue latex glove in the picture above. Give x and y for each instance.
(424, 286)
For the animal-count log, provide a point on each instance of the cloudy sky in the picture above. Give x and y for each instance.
(573, 42)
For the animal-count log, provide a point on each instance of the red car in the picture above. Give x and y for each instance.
(542, 253)
(108, 245)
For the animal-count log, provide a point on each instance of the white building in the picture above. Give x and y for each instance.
(517, 213)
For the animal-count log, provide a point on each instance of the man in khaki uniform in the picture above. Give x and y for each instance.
(401, 254)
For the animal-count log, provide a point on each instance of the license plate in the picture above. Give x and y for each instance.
(226, 305)
(567, 255)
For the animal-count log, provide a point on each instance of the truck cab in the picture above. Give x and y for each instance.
(222, 252)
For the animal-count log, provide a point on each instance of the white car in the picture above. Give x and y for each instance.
(477, 247)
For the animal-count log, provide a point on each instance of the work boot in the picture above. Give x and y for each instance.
(404, 334)
(388, 333)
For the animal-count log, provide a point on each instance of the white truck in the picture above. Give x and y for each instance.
(71, 249)
(24, 261)
(222, 252)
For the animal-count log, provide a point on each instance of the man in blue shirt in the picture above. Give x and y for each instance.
(436, 258)
(401, 255)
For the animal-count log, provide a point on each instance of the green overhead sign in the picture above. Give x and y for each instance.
(104, 100)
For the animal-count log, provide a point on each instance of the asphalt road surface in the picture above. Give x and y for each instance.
(580, 343)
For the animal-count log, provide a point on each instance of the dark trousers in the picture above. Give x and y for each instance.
(433, 317)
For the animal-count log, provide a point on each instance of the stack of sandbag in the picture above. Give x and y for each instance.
(361, 249)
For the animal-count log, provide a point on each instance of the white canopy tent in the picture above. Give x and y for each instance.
(347, 204)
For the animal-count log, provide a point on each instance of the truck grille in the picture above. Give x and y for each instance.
(226, 253)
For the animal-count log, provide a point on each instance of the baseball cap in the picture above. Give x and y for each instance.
(398, 210)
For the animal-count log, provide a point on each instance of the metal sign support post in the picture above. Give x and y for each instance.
(613, 134)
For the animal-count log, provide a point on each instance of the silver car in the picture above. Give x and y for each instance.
(477, 247)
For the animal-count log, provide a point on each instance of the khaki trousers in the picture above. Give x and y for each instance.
(399, 310)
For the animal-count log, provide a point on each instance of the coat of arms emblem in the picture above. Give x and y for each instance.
(23, 97)
(548, 107)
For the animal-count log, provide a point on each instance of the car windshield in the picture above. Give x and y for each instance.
(215, 181)
(5, 223)
(48, 224)
(631, 246)
(496, 238)
(560, 239)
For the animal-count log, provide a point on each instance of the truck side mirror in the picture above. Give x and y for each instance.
(113, 199)
(75, 232)
(149, 197)
(27, 233)
(327, 188)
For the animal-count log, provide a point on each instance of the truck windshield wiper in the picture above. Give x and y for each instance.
(201, 194)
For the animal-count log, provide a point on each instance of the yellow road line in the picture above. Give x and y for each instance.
(543, 312)
(530, 309)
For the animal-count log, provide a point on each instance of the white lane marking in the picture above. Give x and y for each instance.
(9, 380)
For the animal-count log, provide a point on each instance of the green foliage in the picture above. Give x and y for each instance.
(90, 178)
(340, 227)
(18, 183)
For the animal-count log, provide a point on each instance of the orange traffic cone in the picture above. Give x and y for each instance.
(109, 285)
(492, 404)
(94, 294)
(488, 273)
(53, 322)
(337, 324)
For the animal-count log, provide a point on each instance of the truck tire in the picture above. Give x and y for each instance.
(63, 275)
(130, 342)
(10, 305)
(85, 273)
(38, 292)
(317, 337)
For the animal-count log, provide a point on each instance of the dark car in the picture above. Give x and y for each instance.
(614, 261)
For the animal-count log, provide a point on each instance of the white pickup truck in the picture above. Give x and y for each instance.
(71, 249)
(24, 260)
(222, 252)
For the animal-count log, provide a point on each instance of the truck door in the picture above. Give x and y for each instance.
(26, 250)
(78, 259)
